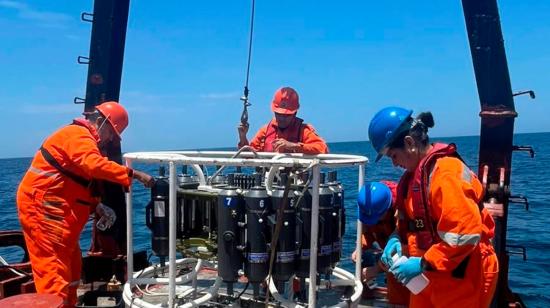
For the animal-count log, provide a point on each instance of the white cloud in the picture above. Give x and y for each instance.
(44, 18)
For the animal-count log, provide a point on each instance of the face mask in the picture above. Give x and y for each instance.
(101, 125)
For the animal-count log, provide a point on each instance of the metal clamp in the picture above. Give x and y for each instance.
(520, 199)
(525, 148)
(79, 100)
(87, 17)
(517, 250)
(83, 60)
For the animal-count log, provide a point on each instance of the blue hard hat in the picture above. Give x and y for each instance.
(373, 201)
(385, 126)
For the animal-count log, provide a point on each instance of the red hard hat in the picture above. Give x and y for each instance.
(116, 114)
(285, 101)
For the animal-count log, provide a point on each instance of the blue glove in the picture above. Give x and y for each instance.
(407, 270)
(393, 246)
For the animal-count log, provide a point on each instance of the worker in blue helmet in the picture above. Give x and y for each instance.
(375, 205)
(444, 233)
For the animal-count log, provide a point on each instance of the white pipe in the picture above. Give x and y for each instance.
(129, 229)
(172, 203)
(358, 247)
(356, 296)
(198, 171)
(127, 292)
(345, 279)
(358, 285)
(314, 235)
(278, 297)
(224, 158)
(179, 280)
(270, 176)
(212, 291)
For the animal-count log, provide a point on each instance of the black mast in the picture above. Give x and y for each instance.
(109, 22)
(497, 125)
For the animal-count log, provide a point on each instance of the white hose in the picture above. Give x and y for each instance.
(212, 291)
(278, 297)
(356, 296)
(131, 301)
(270, 176)
(199, 173)
(179, 280)
(345, 278)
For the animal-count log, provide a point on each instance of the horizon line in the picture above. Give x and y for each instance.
(331, 142)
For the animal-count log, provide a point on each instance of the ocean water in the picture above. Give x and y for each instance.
(530, 177)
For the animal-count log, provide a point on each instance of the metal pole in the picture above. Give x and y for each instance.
(360, 181)
(172, 234)
(314, 236)
(129, 231)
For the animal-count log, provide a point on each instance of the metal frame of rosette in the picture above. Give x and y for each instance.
(238, 159)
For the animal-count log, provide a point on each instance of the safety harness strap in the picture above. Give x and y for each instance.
(51, 160)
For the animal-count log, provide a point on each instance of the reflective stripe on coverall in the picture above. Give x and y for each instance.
(309, 141)
(464, 233)
(53, 209)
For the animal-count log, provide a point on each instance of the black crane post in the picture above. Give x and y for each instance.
(109, 23)
(497, 125)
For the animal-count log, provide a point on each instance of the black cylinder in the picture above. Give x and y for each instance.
(338, 217)
(286, 243)
(230, 214)
(326, 229)
(303, 233)
(157, 217)
(258, 207)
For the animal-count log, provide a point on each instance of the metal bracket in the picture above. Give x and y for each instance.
(87, 17)
(83, 60)
(530, 92)
(519, 250)
(526, 148)
(79, 100)
(520, 199)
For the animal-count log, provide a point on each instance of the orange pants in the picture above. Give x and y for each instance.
(490, 276)
(53, 249)
(476, 289)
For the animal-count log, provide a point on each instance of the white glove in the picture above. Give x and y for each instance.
(107, 217)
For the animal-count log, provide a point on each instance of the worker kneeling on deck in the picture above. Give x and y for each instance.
(57, 195)
(440, 228)
(285, 133)
(376, 211)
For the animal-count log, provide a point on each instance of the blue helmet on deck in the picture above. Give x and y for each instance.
(386, 125)
(373, 201)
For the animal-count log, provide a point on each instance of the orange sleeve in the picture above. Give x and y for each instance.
(311, 142)
(454, 194)
(82, 151)
(256, 142)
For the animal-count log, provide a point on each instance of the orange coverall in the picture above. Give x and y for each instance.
(464, 232)
(53, 208)
(310, 142)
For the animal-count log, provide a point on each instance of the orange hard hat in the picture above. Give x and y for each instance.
(285, 101)
(116, 114)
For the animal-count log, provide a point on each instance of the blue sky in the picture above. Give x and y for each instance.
(185, 65)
